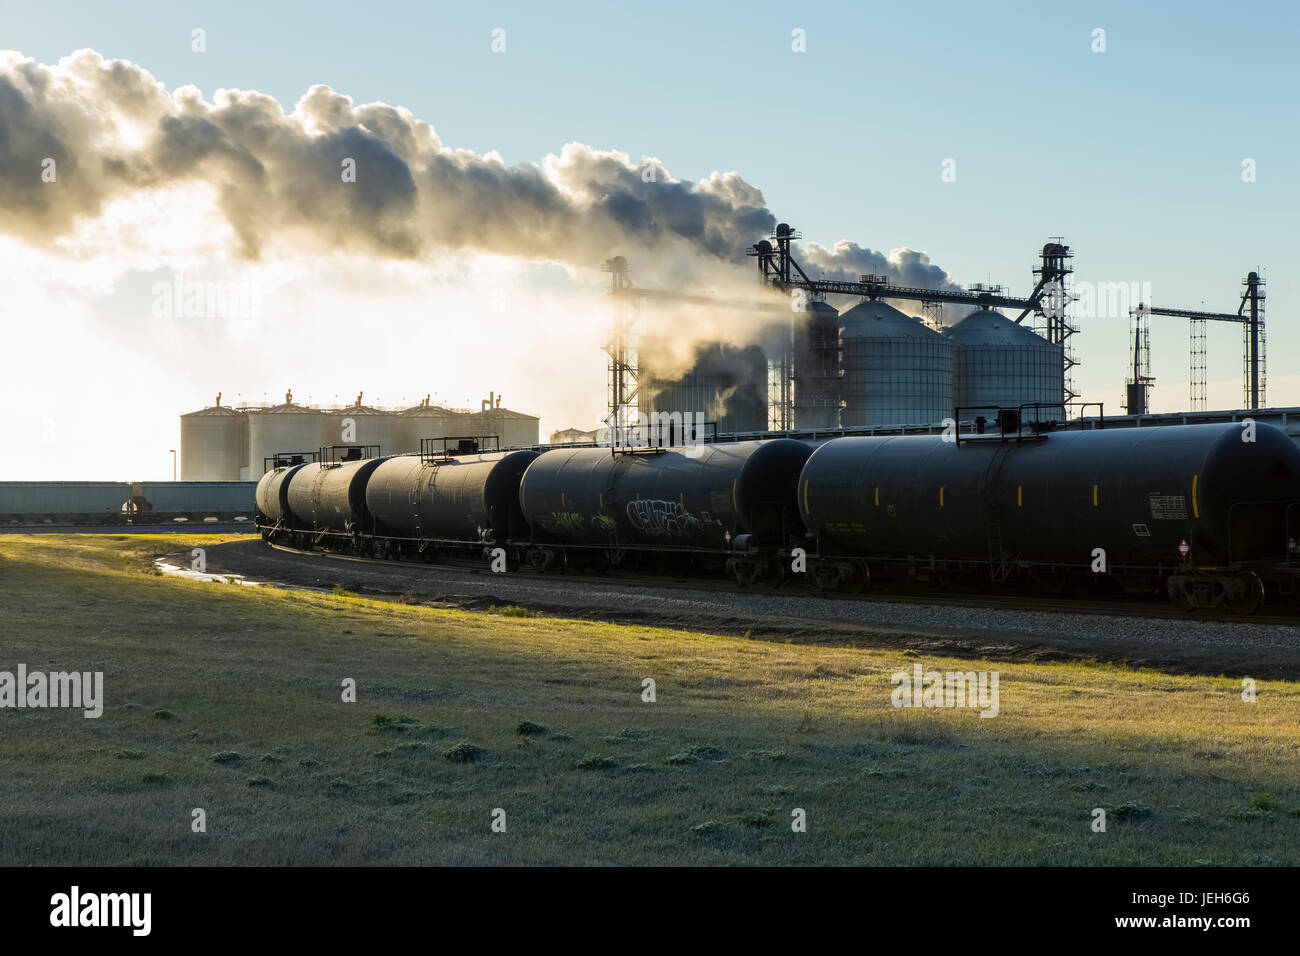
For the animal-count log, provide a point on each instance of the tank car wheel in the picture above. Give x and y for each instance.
(860, 580)
(541, 559)
(1253, 599)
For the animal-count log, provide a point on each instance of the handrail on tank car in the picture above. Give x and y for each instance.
(1101, 414)
(1041, 425)
(464, 445)
(649, 440)
(329, 454)
(979, 422)
(283, 458)
(1003, 419)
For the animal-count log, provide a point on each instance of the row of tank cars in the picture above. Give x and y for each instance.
(1208, 514)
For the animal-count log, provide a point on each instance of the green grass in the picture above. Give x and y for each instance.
(230, 699)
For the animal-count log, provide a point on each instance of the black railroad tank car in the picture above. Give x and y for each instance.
(1230, 492)
(470, 498)
(272, 497)
(330, 499)
(735, 499)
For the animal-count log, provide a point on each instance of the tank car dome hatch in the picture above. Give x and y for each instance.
(897, 370)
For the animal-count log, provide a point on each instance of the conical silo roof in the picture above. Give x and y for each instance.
(988, 327)
(871, 318)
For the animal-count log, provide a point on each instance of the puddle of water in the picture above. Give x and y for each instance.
(166, 567)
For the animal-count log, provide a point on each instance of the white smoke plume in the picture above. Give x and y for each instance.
(848, 260)
(110, 129)
(902, 267)
(110, 182)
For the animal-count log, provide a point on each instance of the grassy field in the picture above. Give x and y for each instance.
(229, 699)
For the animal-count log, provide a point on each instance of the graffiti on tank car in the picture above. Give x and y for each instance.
(604, 522)
(567, 521)
(662, 518)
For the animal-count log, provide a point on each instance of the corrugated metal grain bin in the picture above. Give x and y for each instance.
(816, 367)
(725, 385)
(997, 363)
(896, 370)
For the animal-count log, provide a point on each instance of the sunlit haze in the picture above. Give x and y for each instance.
(466, 257)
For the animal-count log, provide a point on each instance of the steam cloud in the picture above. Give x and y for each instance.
(112, 130)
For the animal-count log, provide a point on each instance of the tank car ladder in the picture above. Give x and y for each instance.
(1000, 565)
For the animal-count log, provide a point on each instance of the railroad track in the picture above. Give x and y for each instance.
(989, 602)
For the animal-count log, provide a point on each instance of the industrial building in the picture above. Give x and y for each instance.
(574, 436)
(224, 443)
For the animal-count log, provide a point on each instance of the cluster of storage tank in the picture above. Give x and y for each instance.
(224, 443)
(893, 369)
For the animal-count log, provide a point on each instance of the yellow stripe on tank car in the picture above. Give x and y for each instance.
(1020, 496)
(1196, 508)
(877, 496)
(1094, 496)
(941, 496)
(805, 496)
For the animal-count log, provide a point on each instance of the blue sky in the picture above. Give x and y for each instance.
(1133, 155)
